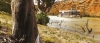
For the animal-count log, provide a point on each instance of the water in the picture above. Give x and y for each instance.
(76, 24)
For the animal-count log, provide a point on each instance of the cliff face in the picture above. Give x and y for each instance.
(92, 7)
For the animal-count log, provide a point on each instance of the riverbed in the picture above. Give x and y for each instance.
(76, 24)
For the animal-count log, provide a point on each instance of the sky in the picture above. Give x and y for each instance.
(57, 0)
(35, 2)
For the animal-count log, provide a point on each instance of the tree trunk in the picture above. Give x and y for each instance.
(24, 21)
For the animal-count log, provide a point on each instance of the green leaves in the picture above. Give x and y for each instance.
(42, 18)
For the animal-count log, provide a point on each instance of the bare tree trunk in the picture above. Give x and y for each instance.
(89, 30)
(24, 21)
(87, 26)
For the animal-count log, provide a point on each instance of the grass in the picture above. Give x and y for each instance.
(47, 34)
(55, 35)
(5, 21)
(94, 24)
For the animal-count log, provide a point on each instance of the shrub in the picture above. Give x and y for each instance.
(5, 6)
(42, 18)
(85, 14)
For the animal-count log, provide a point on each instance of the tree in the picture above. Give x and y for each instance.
(45, 5)
(24, 21)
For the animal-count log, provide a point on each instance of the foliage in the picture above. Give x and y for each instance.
(5, 6)
(6, 1)
(53, 12)
(42, 18)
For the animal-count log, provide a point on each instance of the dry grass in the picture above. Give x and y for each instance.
(93, 23)
(55, 35)
(5, 22)
(5, 18)
(51, 35)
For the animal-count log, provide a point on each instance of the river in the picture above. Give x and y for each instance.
(75, 25)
